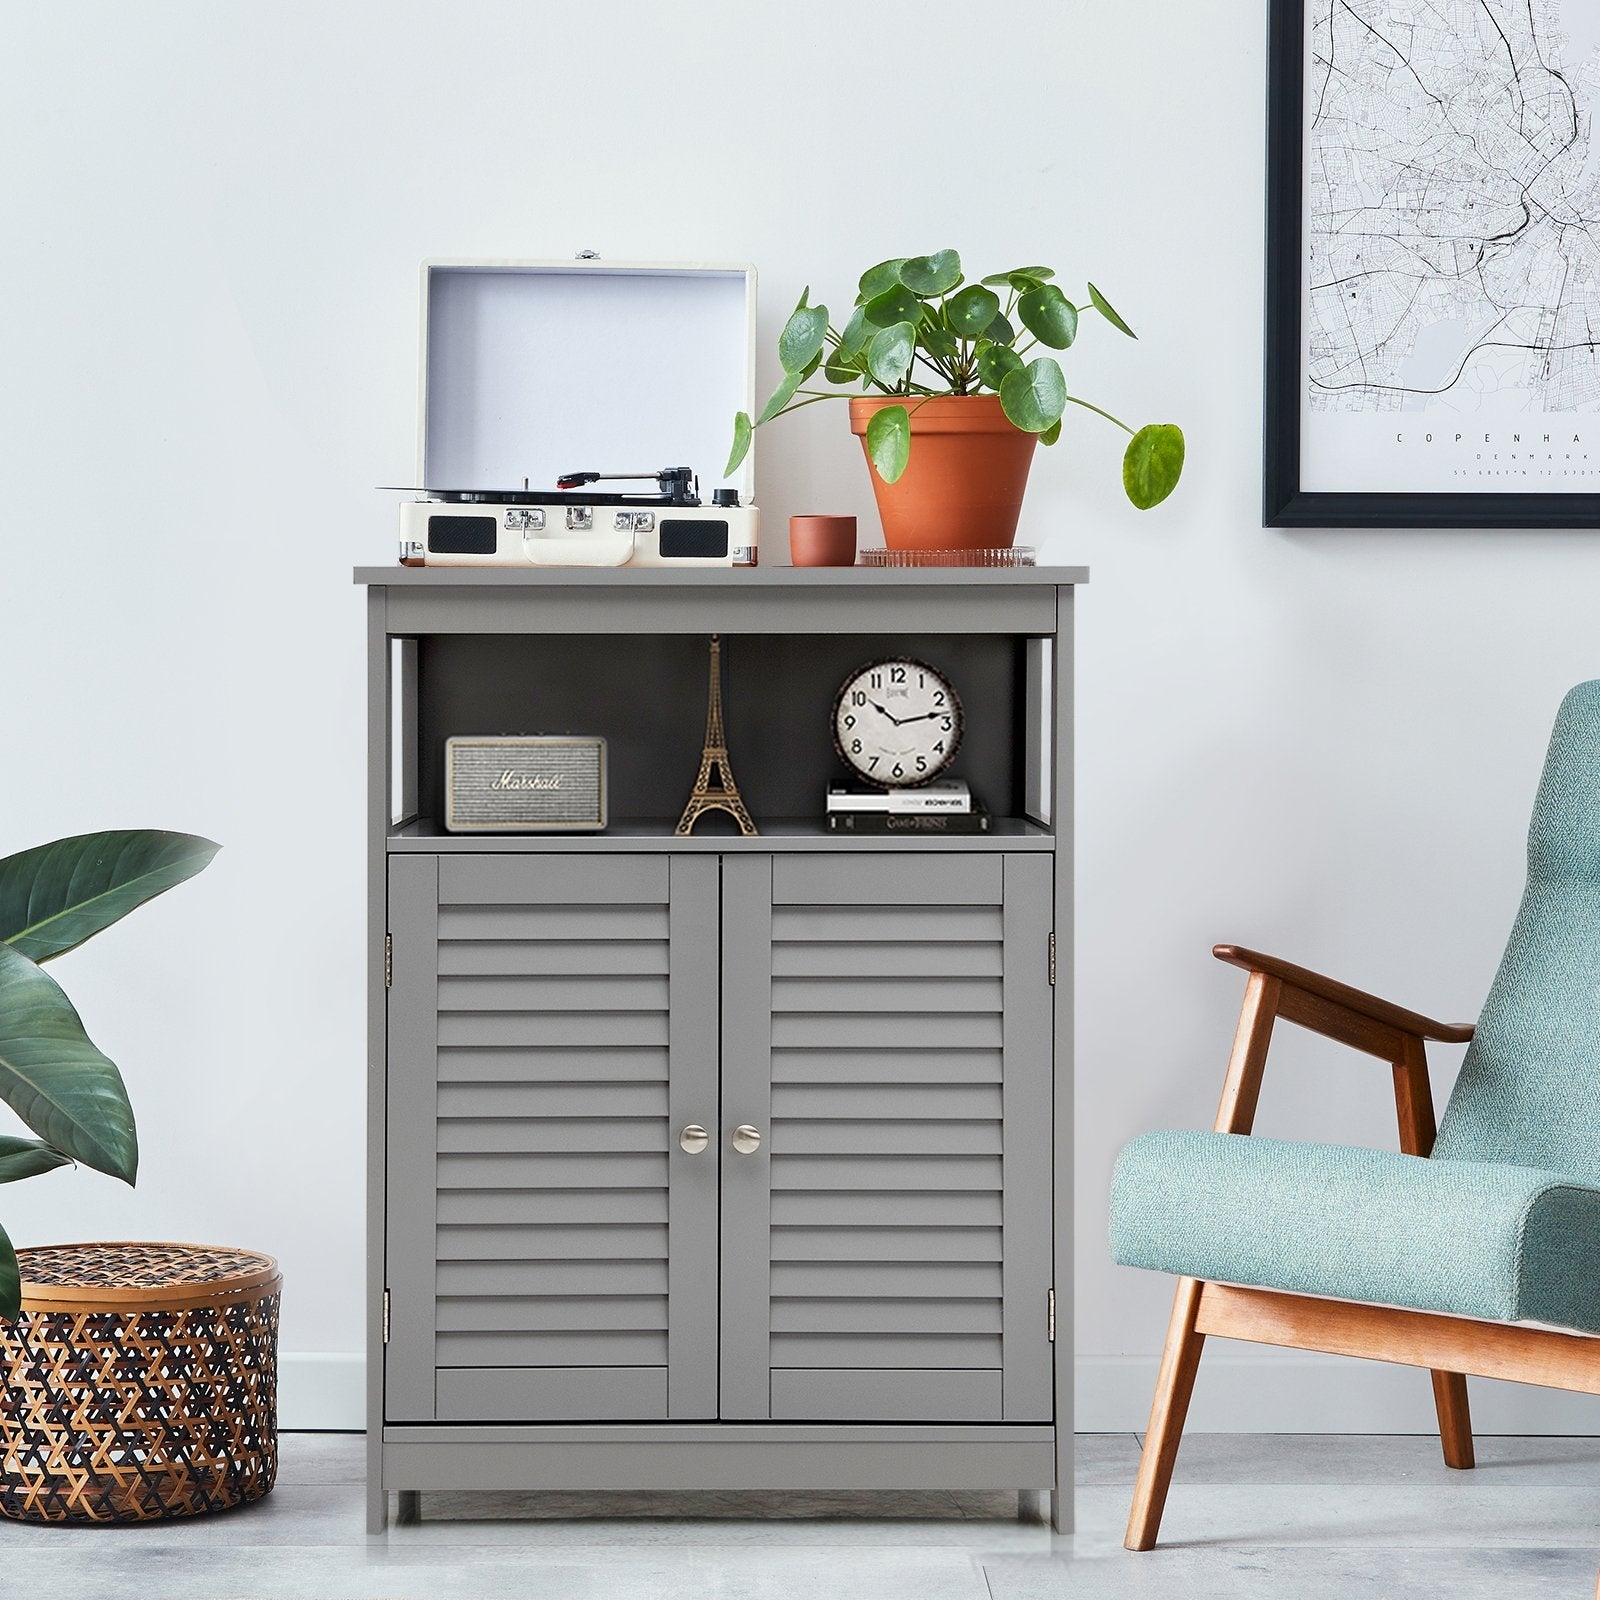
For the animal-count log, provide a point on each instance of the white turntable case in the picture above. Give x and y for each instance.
(531, 369)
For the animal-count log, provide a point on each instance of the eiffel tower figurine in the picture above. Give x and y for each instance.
(723, 795)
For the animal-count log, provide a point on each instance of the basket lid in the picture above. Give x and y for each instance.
(115, 1274)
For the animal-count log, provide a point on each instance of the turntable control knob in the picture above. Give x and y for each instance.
(724, 497)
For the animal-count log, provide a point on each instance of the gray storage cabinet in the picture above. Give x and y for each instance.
(860, 1277)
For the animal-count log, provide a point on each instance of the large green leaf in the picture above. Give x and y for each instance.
(10, 1281)
(889, 354)
(781, 396)
(54, 1078)
(889, 441)
(1031, 275)
(1153, 464)
(937, 339)
(896, 304)
(741, 443)
(1049, 316)
(55, 896)
(27, 1158)
(995, 361)
(971, 311)
(876, 279)
(854, 338)
(1106, 310)
(1000, 331)
(802, 337)
(927, 276)
(1034, 396)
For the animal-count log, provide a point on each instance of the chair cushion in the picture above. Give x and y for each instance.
(1468, 1238)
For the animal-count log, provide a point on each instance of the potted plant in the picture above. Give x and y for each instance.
(52, 898)
(944, 362)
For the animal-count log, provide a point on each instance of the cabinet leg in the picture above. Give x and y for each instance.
(409, 1512)
(377, 1507)
(1030, 1505)
(1061, 1510)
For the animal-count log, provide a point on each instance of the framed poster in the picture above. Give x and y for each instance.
(1433, 264)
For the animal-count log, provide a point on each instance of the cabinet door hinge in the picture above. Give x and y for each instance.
(386, 1317)
(388, 962)
(1049, 1314)
(1052, 958)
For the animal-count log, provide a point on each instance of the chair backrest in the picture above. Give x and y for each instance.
(1529, 1089)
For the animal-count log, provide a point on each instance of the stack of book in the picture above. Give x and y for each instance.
(944, 806)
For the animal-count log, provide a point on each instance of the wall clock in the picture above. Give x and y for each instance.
(897, 722)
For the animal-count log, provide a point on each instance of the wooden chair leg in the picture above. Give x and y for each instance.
(1175, 1383)
(1455, 1421)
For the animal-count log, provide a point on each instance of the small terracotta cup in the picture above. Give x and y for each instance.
(822, 541)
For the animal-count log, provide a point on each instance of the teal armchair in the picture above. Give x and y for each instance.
(1473, 1252)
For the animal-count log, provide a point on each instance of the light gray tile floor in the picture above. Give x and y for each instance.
(1272, 1516)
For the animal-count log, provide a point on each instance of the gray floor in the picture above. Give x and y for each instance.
(1303, 1518)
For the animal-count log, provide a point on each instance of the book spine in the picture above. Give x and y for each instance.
(902, 803)
(883, 822)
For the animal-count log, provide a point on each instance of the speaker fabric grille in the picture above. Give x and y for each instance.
(524, 784)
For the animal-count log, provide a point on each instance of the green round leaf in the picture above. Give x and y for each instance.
(1153, 464)
(937, 340)
(1052, 433)
(54, 1078)
(1034, 396)
(889, 354)
(854, 338)
(1000, 331)
(893, 305)
(972, 310)
(926, 276)
(836, 370)
(781, 396)
(741, 443)
(1103, 306)
(1049, 316)
(876, 279)
(995, 361)
(1007, 280)
(889, 442)
(802, 337)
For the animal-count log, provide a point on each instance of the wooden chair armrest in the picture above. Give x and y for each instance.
(1342, 995)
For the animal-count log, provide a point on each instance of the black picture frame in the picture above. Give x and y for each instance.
(1284, 503)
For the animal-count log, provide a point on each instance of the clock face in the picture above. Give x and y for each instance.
(897, 722)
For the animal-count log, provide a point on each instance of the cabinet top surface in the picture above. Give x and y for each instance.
(717, 577)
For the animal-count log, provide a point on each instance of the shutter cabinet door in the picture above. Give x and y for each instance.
(552, 1249)
(887, 1026)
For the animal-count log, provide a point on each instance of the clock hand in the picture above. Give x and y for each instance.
(924, 717)
(888, 713)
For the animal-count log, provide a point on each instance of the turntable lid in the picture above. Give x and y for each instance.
(531, 369)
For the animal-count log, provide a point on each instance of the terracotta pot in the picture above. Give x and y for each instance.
(963, 487)
(822, 541)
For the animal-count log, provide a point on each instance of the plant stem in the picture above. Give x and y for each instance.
(1099, 413)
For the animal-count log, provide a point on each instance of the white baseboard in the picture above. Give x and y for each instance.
(1261, 1391)
(1273, 1391)
(322, 1391)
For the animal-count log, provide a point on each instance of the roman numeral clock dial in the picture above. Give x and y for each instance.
(897, 723)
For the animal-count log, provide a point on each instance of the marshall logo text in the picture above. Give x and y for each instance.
(523, 780)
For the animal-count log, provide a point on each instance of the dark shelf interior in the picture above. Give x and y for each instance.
(646, 696)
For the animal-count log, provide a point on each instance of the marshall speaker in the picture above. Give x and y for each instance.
(524, 784)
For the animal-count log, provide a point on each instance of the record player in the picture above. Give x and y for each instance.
(530, 366)
(572, 527)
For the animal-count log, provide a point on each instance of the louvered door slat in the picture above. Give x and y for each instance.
(554, 1242)
(880, 1261)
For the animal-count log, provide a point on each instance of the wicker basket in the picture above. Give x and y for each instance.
(141, 1383)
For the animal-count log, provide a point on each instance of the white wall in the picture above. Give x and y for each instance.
(1320, 744)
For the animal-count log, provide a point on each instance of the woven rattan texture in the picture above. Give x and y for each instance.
(135, 1266)
(137, 1416)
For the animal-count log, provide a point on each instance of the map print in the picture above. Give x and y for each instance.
(1452, 219)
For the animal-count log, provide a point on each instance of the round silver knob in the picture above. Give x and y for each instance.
(694, 1138)
(746, 1140)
